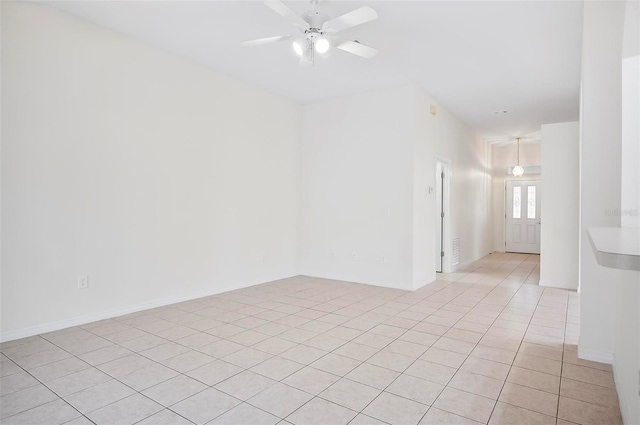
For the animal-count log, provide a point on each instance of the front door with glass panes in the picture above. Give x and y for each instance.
(522, 216)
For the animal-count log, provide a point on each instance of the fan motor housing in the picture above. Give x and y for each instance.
(315, 19)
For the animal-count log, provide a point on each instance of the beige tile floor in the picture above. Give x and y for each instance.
(483, 345)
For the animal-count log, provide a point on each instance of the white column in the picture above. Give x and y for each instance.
(599, 168)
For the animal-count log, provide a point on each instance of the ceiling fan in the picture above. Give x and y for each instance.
(319, 33)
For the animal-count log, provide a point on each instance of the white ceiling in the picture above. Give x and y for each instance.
(474, 57)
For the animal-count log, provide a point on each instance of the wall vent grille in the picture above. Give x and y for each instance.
(455, 255)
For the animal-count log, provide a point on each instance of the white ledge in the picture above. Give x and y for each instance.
(616, 247)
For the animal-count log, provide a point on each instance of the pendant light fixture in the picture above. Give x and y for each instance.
(518, 171)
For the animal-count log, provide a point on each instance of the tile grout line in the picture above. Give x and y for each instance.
(113, 377)
(439, 337)
(115, 343)
(478, 343)
(361, 362)
(564, 339)
(314, 396)
(119, 381)
(40, 405)
(326, 313)
(519, 346)
(504, 308)
(308, 365)
(523, 336)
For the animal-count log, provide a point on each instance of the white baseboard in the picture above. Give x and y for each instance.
(421, 285)
(108, 314)
(595, 356)
(467, 262)
(557, 284)
(394, 284)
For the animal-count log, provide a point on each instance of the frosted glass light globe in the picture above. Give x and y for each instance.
(297, 47)
(322, 45)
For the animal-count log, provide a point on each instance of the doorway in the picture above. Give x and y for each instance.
(442, 249)
(522, 216)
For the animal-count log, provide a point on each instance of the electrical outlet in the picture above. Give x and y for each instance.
(83, 281)
(354, 256)
(333, 255)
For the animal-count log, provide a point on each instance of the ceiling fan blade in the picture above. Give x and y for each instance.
(358, 49)
(284, 11)
(265, 40)
(356, 17)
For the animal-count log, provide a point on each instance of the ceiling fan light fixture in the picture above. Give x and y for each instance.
(300, 46)
(317, 32)
(322, 45)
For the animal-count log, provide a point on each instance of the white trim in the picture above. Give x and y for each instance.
(420, 285)
(624, 410)
(448, 240)
(556, 284)
(537, 181)
(393, 284)
(596, 356)
(108, 314)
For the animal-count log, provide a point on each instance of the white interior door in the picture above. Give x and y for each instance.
(522, 216)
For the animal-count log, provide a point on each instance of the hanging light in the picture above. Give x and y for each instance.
(518, 171)
(300, 46)
(322, 45)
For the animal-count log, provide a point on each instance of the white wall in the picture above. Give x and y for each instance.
(424, 215)
(627, 303)
(371, 155)
(630, 172)
(163, 180)
(1, 132)
(626, 344)
(561, 190)
(158, 178)
(630, 192)
(503, 157)
(610, 318)
(599, 165)
(356, 167)
(444, 136)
